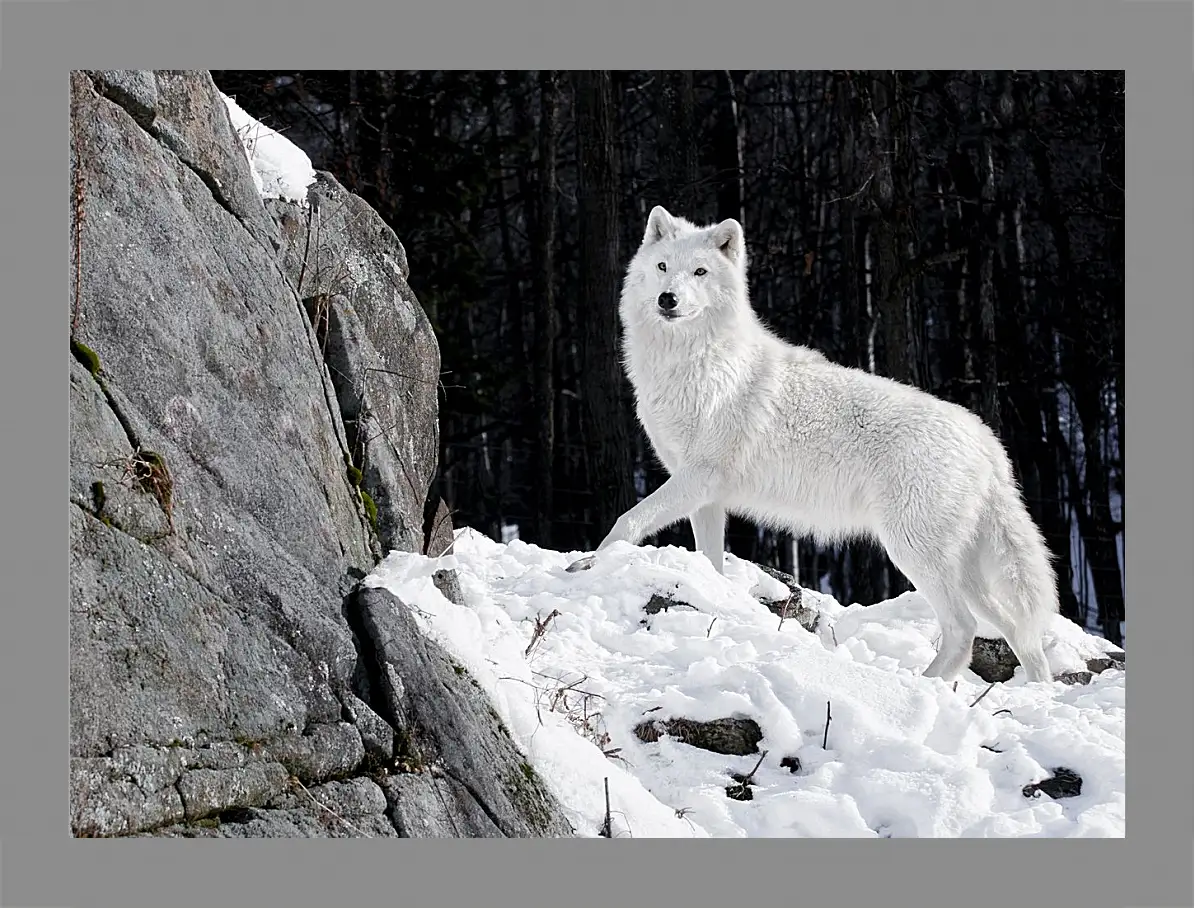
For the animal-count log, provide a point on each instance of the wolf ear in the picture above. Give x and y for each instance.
(728, 238)
(660, 225)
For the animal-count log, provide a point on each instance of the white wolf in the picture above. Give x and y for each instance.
(748, 424)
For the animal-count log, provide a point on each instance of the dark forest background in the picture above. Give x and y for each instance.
(960, 231)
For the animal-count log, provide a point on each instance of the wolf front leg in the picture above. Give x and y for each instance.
(685, 492)
(709, 532)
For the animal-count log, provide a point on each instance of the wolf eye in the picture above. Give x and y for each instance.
(700, 271)
(662, 266)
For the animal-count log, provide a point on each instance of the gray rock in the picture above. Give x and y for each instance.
(424, 806)
(352, 798)
(740, 791)
(382, 355)
(325, 752)
(438, 535)
(210, 791)
(349, 809)
(735, 735)
(131, 789)
(351, 271)
(183, 110)
(211, 362)
(308, 824)
(156, 657)
(1112, 659)
(102, 473)
(791, 606)
(216, 534)
(449, 583)
(1062, 783)
(443, 720)
(438, 541)
(191, 119)
(377, 736)
(993, 659)
(658, 603)
(136, 90)
(584, 563)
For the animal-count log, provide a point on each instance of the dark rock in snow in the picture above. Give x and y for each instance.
(1110, 659)
(1064, 783)
(740, 791)
(791, 606)
(437, 542)
(226, 495)
(993, 659)
(1074, 677)
(658, 603)
(584, 563)
(735, 736)
(792, 764)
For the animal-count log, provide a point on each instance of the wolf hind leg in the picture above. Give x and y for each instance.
(936, 578)
(958, 626)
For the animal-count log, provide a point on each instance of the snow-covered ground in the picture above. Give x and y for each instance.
(281, 170)
(903, 755)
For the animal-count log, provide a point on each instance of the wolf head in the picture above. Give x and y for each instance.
(685, 274)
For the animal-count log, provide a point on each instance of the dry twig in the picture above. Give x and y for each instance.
(296, 783)
(606, 831)
(984, 694)
(541, 626)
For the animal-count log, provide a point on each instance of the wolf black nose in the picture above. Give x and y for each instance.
(667, 301)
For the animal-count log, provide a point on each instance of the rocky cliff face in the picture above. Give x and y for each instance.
(253, 423)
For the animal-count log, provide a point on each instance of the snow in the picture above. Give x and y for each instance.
(281, 170)
(904, 755)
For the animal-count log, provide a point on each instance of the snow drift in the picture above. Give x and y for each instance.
(854, 742)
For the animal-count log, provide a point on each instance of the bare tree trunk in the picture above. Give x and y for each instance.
(891, 195)
(1055, 518)
(611, 474)
(676, 148)
(741, 535)
(1090, 494)
(1096, 526)
(351, 126)
(1114, 205)
(989, 394)
(1030, 409)
(730, 150)
(867, 577)
(546, 321)
(513, 320)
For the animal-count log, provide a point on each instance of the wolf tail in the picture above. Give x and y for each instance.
(1027, 574)
(1023, 577)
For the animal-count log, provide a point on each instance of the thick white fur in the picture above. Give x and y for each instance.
(748, 424)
